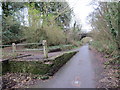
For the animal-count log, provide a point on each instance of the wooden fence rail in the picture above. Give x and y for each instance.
(24, 44)
(44, 44)
(44, 47)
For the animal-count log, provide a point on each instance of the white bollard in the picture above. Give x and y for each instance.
(45, 49)
(13, 47)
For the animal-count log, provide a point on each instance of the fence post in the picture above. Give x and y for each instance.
(45, 49)
(13, 47)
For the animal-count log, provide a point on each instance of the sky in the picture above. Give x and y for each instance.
(81, 10)
(0, 9)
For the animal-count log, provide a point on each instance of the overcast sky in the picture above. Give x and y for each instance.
(0, 9)
(81, 9)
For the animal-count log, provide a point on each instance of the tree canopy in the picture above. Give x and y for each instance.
(45, 20)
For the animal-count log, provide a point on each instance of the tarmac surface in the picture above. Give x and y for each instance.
(78, 72)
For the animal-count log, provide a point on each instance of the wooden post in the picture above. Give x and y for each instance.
(45, 49)
(13, 47)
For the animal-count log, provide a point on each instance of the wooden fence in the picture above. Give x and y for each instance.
(44, 49)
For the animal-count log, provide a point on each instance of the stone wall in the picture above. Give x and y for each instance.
(47, 67)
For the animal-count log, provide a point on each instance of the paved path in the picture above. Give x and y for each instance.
(77, 73)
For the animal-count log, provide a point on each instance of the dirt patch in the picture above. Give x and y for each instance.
(19, 80)
(107, 75)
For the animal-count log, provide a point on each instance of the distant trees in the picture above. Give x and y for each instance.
(46, 20)
(46, 23)
(11, 27)
(104, 21)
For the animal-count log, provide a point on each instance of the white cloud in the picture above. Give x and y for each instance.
(81, 9)
(0, 8)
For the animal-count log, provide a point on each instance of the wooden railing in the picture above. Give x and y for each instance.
(44, 49)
